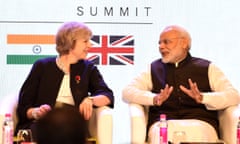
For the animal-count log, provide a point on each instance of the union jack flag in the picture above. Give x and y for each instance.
(112, 50)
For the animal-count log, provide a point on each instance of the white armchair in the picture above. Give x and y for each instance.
(228, 122)
(100, 125)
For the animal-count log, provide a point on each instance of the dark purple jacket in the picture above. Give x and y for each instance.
(44, 80)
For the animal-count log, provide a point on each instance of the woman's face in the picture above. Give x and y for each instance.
(81, 47)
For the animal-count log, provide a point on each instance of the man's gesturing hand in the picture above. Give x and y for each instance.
(193, 92)
(163, 95)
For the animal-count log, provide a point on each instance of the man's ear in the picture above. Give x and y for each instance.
(185, 43)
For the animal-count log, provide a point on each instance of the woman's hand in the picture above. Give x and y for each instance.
(38, 112)
(86, 107)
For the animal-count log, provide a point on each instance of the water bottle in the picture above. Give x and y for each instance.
(7, 129)
(163, 129)
(238, 131)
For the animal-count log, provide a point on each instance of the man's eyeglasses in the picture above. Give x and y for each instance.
(168, 41)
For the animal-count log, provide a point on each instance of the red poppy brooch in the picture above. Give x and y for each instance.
(77, 79)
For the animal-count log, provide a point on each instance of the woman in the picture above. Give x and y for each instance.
(66, 80)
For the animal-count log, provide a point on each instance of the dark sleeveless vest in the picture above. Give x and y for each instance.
(179, 105)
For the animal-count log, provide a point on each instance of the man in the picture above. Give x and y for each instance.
(179, 85)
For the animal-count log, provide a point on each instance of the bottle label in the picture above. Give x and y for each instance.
(7, 136)
(238, 136)
(163, 136)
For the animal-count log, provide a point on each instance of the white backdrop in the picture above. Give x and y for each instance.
(213, 25)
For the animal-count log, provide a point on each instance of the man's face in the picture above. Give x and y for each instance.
(172, 46)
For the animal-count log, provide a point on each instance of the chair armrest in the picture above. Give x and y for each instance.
(101, 125)
(228, 119)
(138, 114)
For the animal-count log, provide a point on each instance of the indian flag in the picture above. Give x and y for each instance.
(36, 46)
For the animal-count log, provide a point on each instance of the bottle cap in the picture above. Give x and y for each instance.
(7, 115)
(163, 116)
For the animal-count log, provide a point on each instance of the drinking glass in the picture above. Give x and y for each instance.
(178, 137)
(24, 136)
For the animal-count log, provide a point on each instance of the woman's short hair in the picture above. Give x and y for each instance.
(67, 35)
